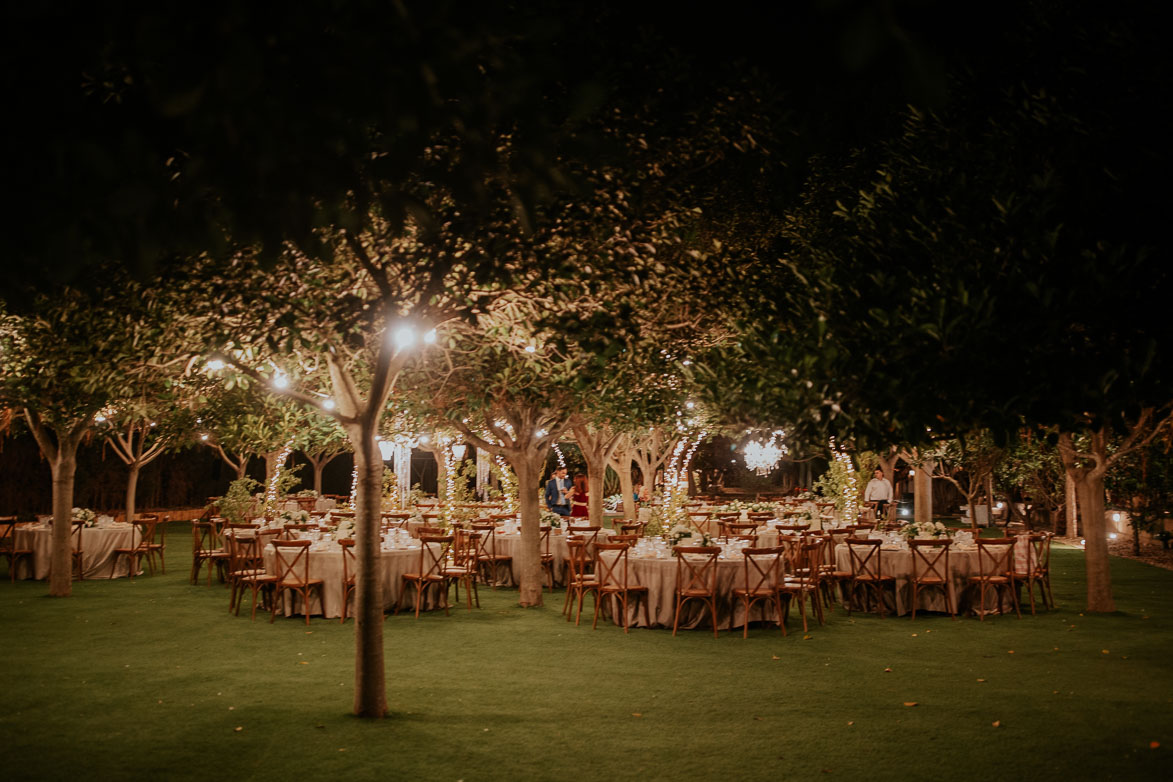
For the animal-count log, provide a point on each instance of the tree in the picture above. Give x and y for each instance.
(969, 464)
(64, 359)
(323, 443)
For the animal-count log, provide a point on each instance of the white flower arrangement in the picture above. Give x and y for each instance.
(295, 516)
(611, 504)
(345, 528)
(550, 519)
(681, 535)
(85, 514)
(924, 529)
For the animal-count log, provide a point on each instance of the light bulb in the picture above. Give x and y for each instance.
(280, 381)
(327, 404)
(203, 437)
(530, 349)
(215, 365)
(430, 337)
(404, 337)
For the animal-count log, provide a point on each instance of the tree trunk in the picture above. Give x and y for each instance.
(922, 484)
(319, 465)
(370, 691)
(271, 466)
(622, 466)
(441, 476)
(64, 468)
(1071, 509)
(1090, 488)
(131, 491)
(527, 467)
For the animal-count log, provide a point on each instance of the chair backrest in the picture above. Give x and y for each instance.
(696, 568)
(627, 539)
(576, 553)
(349, 563)
(502, 516)
(811, 559)
(794, 527)
(697, 521)
(1040, 544)
(434, 550)
(995, 556)
(292, 556)
(742, 528)
(146, 530)
(7, 532)
(544, 540)
(763, 568)
(866, 557)
(203, 536)
(612, 571)
(75, 534)
(759, 516)
(429, 531)
(636, 529)
(241, 525)
(588, 535)
(244, 550)
(930, 560)
(465, 547)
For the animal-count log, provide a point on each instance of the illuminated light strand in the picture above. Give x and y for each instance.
(353, 488)
(450, 487)
(762, 457)
(271, 493)
(508, 487)
(851, 490)
(561, 459)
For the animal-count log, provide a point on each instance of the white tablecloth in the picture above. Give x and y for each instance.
(97, 544)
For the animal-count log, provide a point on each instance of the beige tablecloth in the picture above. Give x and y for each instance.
(509, 544)
(327, 565)
(97, 544)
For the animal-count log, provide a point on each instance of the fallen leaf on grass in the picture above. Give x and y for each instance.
(776, 657)
(636, 714)
(996, 723)
(1154, 744)
(806, 638)
(981, 680)
(887, 670)
(851, 722)
(914, 635)
(238, 728)
(1010, 651)
(1104, 651)
(759, 719)
(910, 703)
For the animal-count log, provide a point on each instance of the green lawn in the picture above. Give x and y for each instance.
(154, 679)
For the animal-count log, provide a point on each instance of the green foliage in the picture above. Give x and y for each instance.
(833, 483)
(238, 501)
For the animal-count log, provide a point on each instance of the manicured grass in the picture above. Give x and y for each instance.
(151, 680)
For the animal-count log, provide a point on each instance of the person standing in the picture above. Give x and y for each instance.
(879, 492)
(579, 500)
(556, 493)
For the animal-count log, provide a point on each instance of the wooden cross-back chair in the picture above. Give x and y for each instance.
(696, 579)
(464, 565)
(580, 578)
(8, 548)
(293, 575)
(615, 583)
(761, 580)
(930, 570)
(547, 557)
(434, 552)
(867, 572)
(995, 573)
(207, 551)
(349, 571)
(805, 577)
(246, 570)
(489, 562)
(134, 554)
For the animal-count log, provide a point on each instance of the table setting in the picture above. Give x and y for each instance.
(100, 536)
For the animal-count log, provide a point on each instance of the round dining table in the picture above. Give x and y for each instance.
(97, 544)
(325, 563)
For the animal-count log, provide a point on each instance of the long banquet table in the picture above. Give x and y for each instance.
(97, 544)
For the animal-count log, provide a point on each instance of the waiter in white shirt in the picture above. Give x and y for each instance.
(878, 491)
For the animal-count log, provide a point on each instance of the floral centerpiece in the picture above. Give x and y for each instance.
(345, 528)
(85, 514)
(550, 519)
(306, 493)
(750, 507)
(294, 517)
(924, 529)
(807, 513)
(681, 535)
(611, 504)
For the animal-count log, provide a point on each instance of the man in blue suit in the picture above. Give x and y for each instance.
(556, 493)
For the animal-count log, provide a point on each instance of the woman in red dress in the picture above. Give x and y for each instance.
(578, 497)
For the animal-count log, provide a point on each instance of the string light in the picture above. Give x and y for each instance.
(851, 490)
(508, 486)
(561, 459)
(353, 487)
(271, 494)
